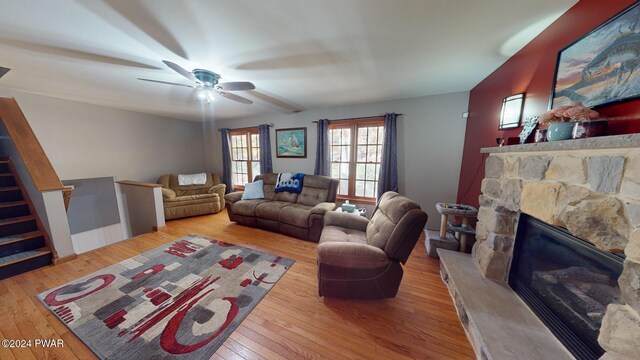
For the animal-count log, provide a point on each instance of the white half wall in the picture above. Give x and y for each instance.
(97, 238)
(56, 223)
(430, 142)
(87, 141)
(142, 206)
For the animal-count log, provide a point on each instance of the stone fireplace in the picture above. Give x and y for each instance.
(589, 187)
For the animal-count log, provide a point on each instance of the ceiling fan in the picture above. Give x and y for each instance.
(207, 82)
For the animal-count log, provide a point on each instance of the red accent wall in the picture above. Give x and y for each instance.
(531, 71)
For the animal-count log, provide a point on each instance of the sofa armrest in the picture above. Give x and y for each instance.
(168, 193)
(234, 196)
(351, 255)
(345, 220)
(216, 188)
(322, 208)
(219, 189)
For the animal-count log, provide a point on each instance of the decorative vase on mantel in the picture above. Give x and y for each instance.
(560, 131)
(561, 120)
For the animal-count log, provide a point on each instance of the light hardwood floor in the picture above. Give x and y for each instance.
(291, 322)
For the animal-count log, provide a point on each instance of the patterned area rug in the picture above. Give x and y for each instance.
(180, 300)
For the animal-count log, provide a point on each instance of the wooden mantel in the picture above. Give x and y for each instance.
(33, 156)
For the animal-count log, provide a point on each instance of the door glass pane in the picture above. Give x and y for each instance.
(346, 136)
(344, 170)
(369, 189)
(360, 171)
(344, 187)
(359, 188)
(335, 136)
(373, 135)
(345, 154)
(362, 136)
(362, 153)
(371, 153)
(335, 153)
(335, 170)
(255, 168)
(371, 172)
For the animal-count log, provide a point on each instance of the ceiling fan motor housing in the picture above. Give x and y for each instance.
(206, 77)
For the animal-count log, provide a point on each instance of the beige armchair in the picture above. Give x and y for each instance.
(190, 200)
(362, 259)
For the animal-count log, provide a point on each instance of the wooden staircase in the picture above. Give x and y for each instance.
(24, 244)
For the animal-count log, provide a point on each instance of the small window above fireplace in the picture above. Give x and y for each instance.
(566, 281)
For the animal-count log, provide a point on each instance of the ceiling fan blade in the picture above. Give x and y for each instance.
(73, 54)
(236, 86)
(235, 97)
(180, 70)
(272, 100)
(166, 82)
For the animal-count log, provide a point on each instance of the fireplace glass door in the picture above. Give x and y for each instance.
(566, 281)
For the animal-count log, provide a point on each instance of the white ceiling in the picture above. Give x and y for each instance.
(306, 54)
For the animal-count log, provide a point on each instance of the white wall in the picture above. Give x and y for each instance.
(85, 141)
(430, 142)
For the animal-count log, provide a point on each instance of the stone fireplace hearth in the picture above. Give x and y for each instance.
(590, 187)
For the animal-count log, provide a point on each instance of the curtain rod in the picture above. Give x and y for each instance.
(247, 127)
(355, 118)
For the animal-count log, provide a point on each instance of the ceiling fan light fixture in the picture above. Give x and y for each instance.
(206, 83)
(204, 94)
(206, 77)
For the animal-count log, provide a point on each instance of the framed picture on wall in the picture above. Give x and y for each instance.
(291, 143)
(603, 66)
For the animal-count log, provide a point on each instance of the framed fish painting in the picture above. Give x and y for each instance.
(291, 143)
(602, 67)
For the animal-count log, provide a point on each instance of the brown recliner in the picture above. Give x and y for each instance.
(361, 259)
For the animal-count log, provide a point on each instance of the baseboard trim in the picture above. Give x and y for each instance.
(64, 259)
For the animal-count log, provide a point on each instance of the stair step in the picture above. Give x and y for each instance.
(23, 262)
(15, 220)
(23, 256)
(14, 244)
(13, 209)
(12, 204)
(10, 188)
(11, 194)
(7, 180)
(23, 245)
(19, 237)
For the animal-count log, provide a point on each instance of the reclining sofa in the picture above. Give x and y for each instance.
(298, 215)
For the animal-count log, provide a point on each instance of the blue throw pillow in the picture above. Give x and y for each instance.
(289, 182)
(253, 190)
